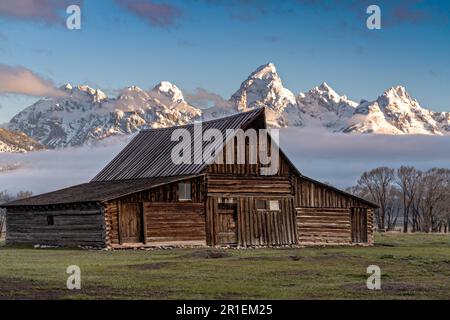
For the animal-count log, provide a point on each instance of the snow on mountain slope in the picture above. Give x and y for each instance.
(395, 112)
(264, 88)
(12, 141)
(85, 115)
(323, 106)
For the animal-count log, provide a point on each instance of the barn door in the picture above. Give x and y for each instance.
(131, 223)
(227, 224)
(359, 225)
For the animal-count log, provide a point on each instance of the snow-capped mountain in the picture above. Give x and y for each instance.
(395, 112)
(84, 115)
(12, 141)
(264, 88)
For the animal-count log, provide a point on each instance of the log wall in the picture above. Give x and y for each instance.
(311, 194)
(75, 226)
(175, 223)
(324, 226)
(255, 227)
(167, 220)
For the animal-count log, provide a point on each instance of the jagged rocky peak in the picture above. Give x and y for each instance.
(398, 92)
(325, 90)
(133, 93)
(169, 91)
(66, 87)
(263, 88)
(267, 71)
(397, 99)
(96, 95)
(77, 117)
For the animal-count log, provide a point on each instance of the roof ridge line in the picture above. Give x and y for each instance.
(256, 110)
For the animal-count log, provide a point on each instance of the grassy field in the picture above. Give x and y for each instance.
(413, 267)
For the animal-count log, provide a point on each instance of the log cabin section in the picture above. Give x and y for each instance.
(142, 199)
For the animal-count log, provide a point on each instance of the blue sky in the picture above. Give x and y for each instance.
(216, 44)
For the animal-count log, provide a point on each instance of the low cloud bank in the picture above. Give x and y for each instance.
(335, 158)
(50, 170)
(340, 158)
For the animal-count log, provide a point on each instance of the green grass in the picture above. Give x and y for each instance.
(413, 267)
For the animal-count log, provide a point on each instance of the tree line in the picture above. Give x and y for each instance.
(420, 199)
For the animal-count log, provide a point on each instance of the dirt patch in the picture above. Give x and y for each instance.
(150, 266)
(296, 257)
(18, 289)
(208, 254)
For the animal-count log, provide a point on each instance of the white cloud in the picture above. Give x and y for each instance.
(55, 169)
(335, 158)
(341, 158)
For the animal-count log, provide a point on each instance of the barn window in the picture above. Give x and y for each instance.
(226, 200)
(50, 221)
(274, 205)
(260, 204)
(184, 191)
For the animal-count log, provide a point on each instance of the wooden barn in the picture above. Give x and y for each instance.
(142, 198)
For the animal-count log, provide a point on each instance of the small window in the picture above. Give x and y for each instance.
(184, 191)
(274, 205)
(226, 200)
(260, 204)
(50, 221)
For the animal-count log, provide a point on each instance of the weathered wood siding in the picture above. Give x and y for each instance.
(74, 226)
(265, 227)
(324, 214)
(167, 220)
(232, 185)
(311, 194)
(248, 168)
(175, 222)
(255, 227)
(324, 225)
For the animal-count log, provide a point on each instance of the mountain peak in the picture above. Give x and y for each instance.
(83, 91)
(134, 89)
(264, 88)
(266, 71)
(397, 92)
(169, 90)
(66, 87)
(324, 88)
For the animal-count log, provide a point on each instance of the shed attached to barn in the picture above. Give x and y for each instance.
(145, 198)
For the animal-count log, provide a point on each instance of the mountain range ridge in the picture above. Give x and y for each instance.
(85, 115)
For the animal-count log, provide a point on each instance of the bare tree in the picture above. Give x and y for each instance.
(378, 183)
(423, 197)
(407, 179)
(434, 196)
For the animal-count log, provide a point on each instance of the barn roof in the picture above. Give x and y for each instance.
(96, 191)
(149, 153)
